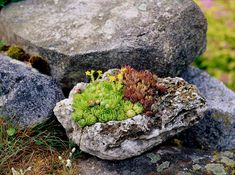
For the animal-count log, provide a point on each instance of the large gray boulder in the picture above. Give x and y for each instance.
(217, 129)
(75, 35)
(26, 96)
(177, 110)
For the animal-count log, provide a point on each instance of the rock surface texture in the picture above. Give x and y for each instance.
(75, 35)
(217, 129)
(178, 109)
(26, 96)
(164, 160)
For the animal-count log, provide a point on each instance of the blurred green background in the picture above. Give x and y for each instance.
(219, 58)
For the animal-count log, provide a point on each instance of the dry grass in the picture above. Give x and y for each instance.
(37, 147)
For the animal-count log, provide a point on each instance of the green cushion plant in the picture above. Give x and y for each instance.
(103, 101)
(121, 95)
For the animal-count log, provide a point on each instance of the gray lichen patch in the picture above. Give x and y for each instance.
(163, 166)
(154, 158)
(217, 169)
(228, 161)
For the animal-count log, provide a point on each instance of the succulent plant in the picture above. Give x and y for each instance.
(141, 86)
(103, 101)
(123, 94)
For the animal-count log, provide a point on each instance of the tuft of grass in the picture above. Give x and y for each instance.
(38, 147)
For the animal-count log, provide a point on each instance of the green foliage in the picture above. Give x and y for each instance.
(4, 2)
(219, 58)
(102, 101)
(2, 44)
(11, 131)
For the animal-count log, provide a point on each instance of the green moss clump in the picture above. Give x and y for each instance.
(17, 53)
(40, 64)
(102, 101)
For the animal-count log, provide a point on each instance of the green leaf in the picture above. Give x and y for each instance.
(38, 142)
(11, 131)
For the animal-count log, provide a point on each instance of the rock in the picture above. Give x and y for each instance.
(179, 109)
(217, 169)
(76, 35)
(228, 161)
(217, 129)
(26, 96)
(154, 157)
(181, 162)
(163, 166)
(196, 167)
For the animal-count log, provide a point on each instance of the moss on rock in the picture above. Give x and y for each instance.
(17, 53)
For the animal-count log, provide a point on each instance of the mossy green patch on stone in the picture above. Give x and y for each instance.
(17, 53)
(216, 169)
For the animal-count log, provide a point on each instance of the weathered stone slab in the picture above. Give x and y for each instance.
(217, 129)
(164, 160)
(75, 35)
(178, 109)
(26, 96)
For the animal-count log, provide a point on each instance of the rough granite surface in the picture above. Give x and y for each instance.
(27, 97)
(75, 35)
(178, 109)
(217, 128)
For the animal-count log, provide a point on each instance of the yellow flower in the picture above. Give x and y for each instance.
(92, 72)
(99, 72)
(120, 76)
(88, 73)
(112, 78)
(123, 70)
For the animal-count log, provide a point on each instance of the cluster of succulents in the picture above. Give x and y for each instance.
(141, 86)
(18, 53)
(121, 95)
(103, 101)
